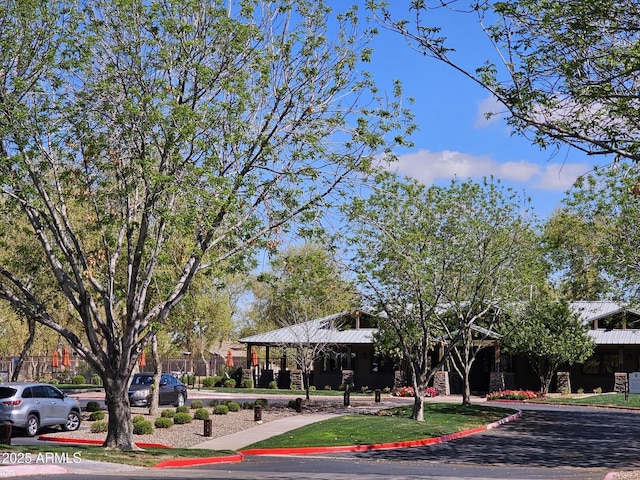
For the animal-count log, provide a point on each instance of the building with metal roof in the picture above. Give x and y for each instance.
(614, 327)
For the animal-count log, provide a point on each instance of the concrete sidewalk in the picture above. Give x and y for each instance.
(239, 440)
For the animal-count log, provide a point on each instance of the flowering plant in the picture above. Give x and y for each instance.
(514, 395)
(409, 392)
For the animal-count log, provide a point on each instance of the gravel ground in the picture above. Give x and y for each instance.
(188, 435)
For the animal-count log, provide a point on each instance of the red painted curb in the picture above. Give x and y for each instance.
(187, 462)
(85, 441)
(378, 446)
(239, 457)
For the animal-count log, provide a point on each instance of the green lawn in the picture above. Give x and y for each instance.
(360, 429)
(606, 399)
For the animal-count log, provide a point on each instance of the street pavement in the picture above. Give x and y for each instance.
(540, 441)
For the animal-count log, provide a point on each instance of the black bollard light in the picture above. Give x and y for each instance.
(347, 399)
(208, 428)
(377, 395)
(257, 413)
(299, 405)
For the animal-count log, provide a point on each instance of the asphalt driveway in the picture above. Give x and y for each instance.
(550, 437)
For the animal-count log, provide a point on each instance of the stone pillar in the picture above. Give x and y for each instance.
(620, 382)
(496, 382)
(441, 383)
(297, 382)
(564, 382)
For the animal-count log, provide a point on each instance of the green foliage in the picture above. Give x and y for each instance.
(181, 418)
(226, 142)
(99, 427)
(301, 278)
(233, 406)
(168, 413)
(574, 85)
(247, 383)
(93, 406)
(208, 382)
(201, 414)
(263, 402)
(197, 404)
(96, 380)
(549, 334)
(220, 409)
(229, 383)
(138, 418)
(96, 415)
(163, 422)
(182, 409)
(466, 245)
(142, 427)
(273, 385)
(78, 380)
(213, 403)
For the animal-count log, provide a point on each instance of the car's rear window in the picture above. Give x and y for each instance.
(6, 392)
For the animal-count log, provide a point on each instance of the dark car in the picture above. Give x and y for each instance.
(32, 405)
(172, 391)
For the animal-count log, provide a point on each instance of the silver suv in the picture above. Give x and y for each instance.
(32, 405)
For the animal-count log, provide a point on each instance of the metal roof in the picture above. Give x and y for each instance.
(321, 330)
(615, 337)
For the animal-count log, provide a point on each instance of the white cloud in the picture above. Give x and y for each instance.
(489, 105)
(430, 167)
(560, 176)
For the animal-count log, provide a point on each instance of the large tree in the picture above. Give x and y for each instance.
(608, 206)
(567, 72)
(439, 262)
(127, 125)
(549, 334)
(303, 279)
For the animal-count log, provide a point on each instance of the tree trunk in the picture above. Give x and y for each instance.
(418, 407)
(25, 350)
(120, 430)
(466, 392)
(154, 407)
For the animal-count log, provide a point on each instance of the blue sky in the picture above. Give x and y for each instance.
(454, 137)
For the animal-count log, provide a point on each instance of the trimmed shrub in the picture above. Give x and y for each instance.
(142, 427)
(221, 410)
(182, 409)
(263, 402)
(208, 382)
(196, 404)
(229, 383)
(167, 413)
(99, 427)
(273, 385)
(138, 418)
(247, 383)
(78, 380)
(201, 414)
(181, 418)
(96, 380)
(93, 407)
(292, 404)
(233, 406)
(327, 387)
(98, 415)
(213, 403)
(163, 422)
(54, 381)
(248, 405)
